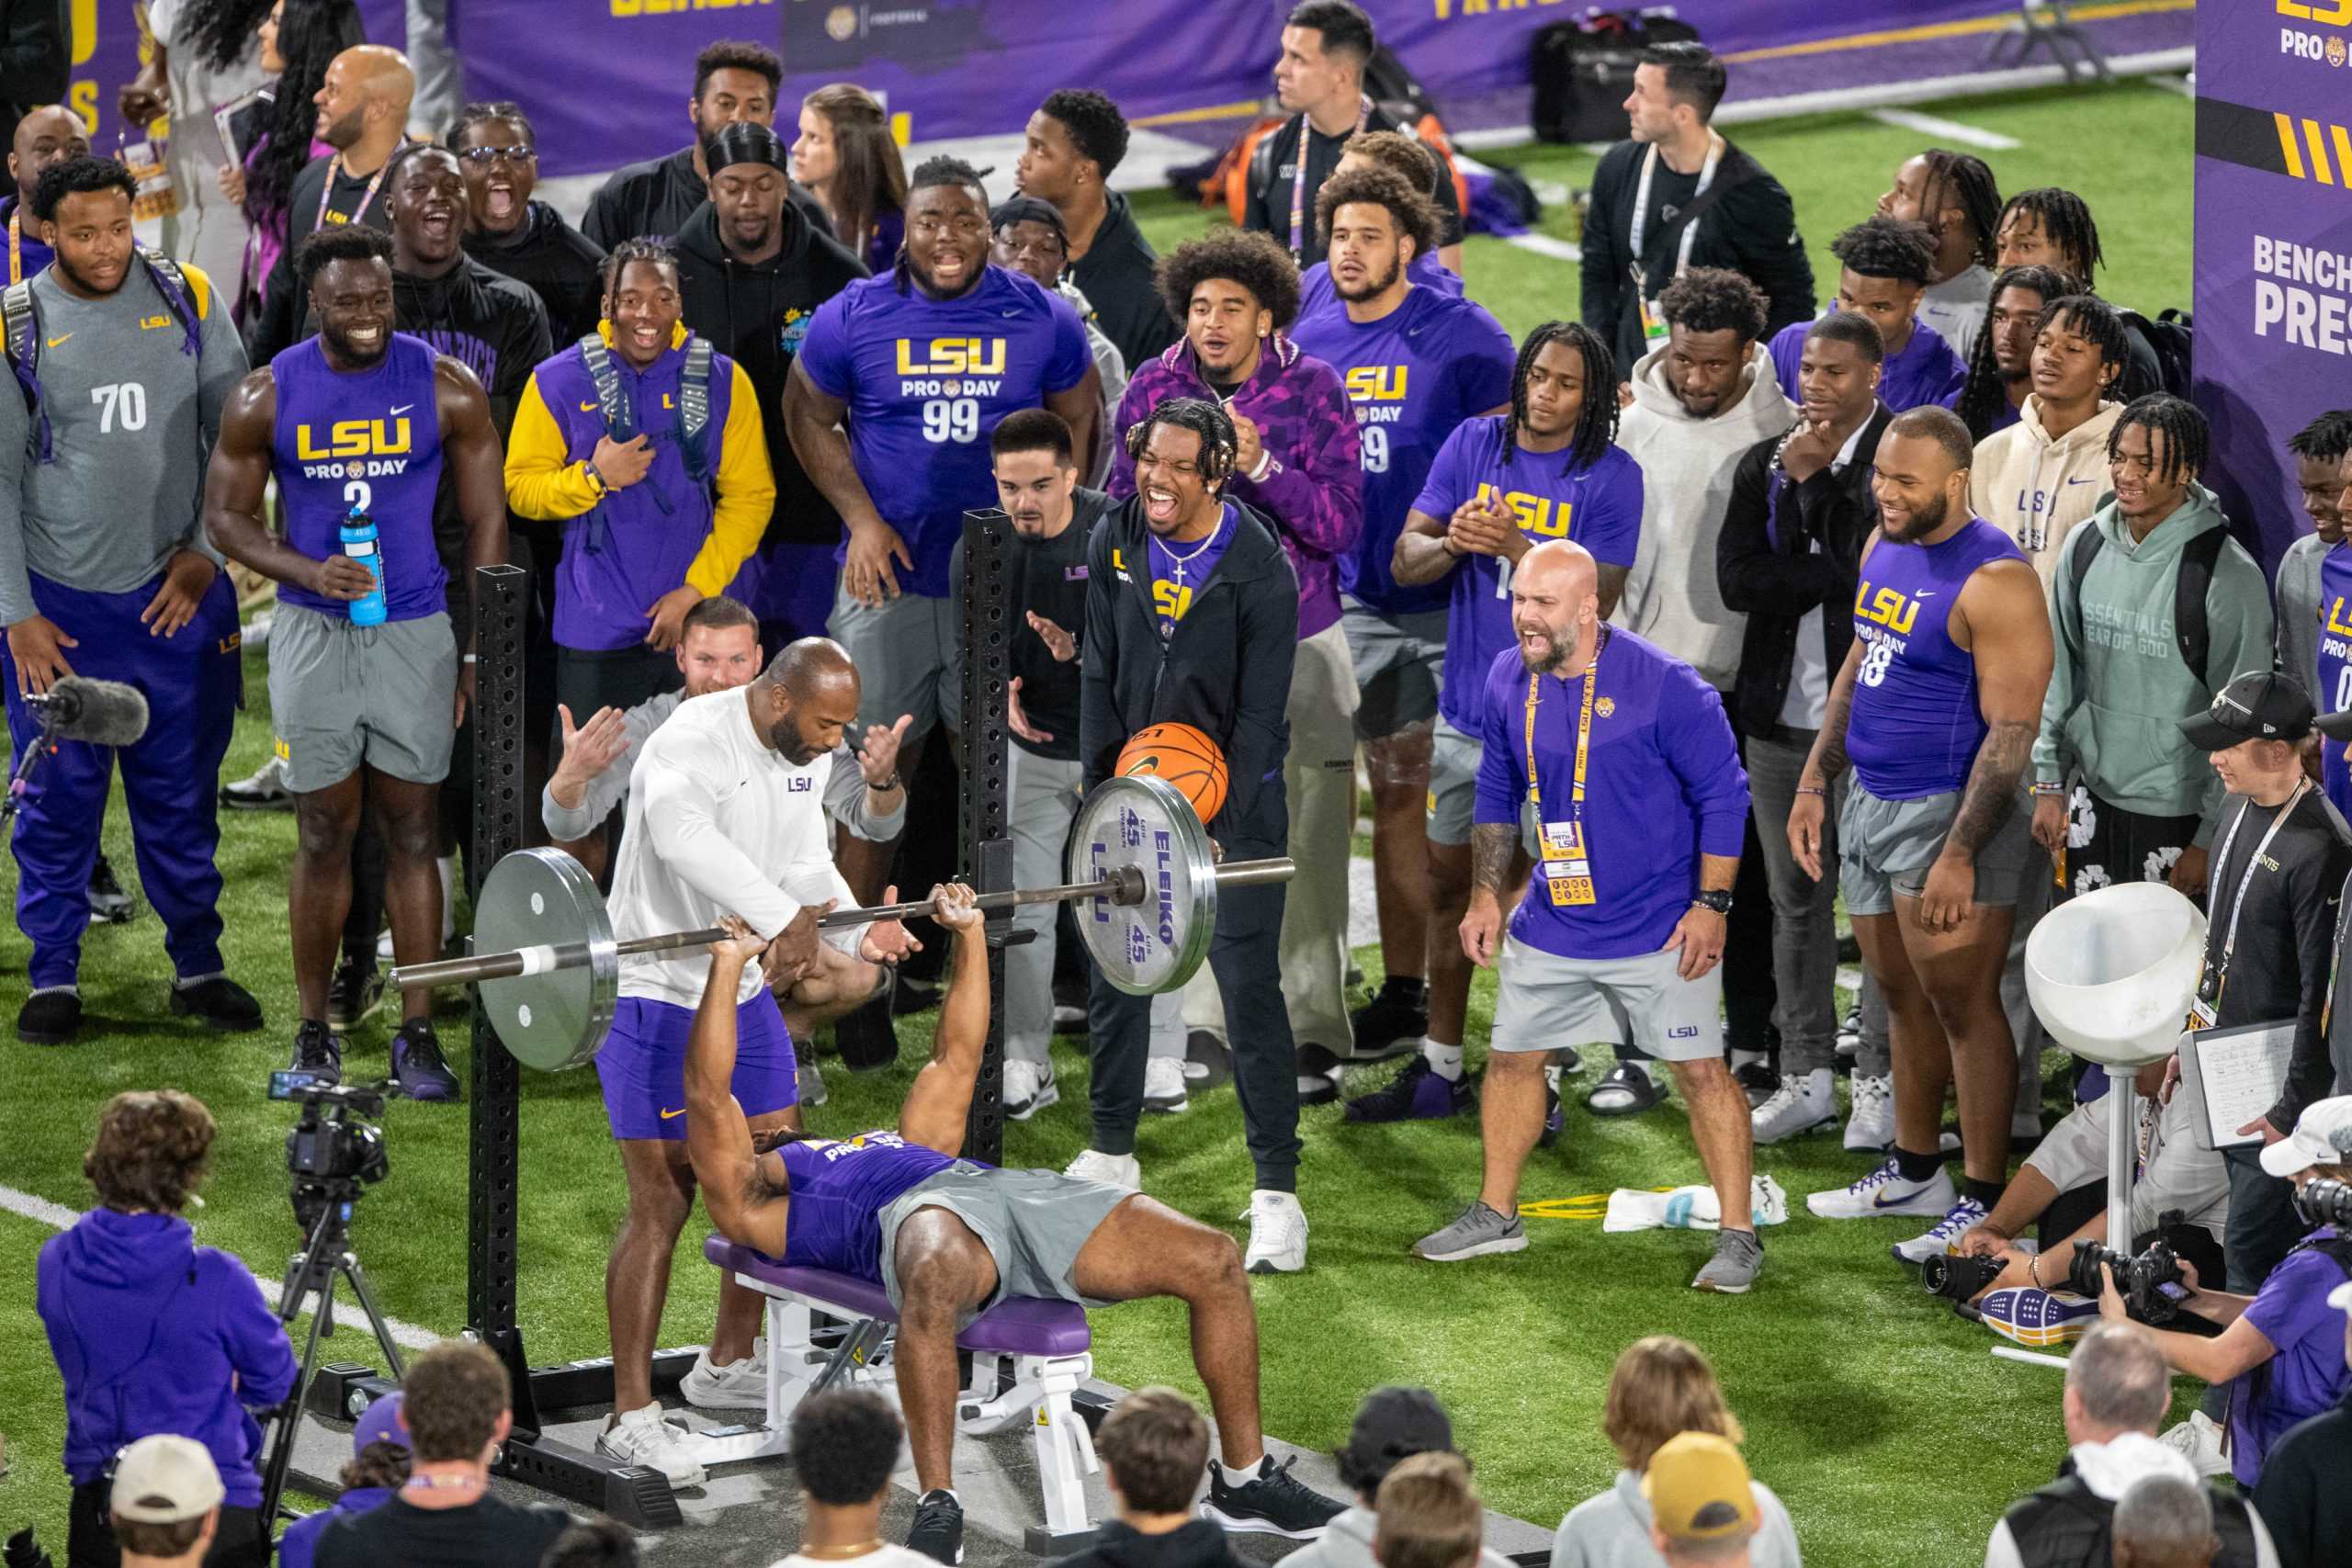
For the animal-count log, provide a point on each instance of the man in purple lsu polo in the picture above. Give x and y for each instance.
(1936, 709)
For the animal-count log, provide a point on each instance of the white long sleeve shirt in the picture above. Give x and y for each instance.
(719, 824)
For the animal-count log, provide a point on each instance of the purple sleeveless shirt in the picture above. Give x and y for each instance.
(370, 440)
(1915, 725)
(838, 1189)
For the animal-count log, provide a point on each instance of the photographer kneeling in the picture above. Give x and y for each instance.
(2284, 1346)
(154, 1333)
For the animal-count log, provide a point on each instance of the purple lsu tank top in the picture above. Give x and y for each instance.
(838, 1189)
(370, 440)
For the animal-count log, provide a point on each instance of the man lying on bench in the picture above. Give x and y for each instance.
(947, 1238)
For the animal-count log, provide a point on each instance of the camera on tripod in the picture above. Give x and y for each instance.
(2151, 1284)
(2324, 1202)
(331, 1152)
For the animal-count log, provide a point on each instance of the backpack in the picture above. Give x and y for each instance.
(1581, 68)
(695, 442)
(2172, 334)
(188, 297)
(2189, 587)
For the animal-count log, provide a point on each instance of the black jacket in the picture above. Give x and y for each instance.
(2066, 1524)
(554, 261)
(757, 315)
(2305, 1492)
(1115, 275)
(1047, 577)
(1751, 228)
(1198, 1543)
(1767, 568)
(34, 64)
(1274, 170)
(2279, 970)
(284, 318)
(653, 200)
(1227, 669)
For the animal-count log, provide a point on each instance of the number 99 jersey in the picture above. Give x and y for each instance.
(926, 380)
(370, 440)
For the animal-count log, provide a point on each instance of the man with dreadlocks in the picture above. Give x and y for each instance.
(2044, 474)
(1547, 469)
(2322, 473)
(2052, 227)
(2120, 793)
(2000, 367)
(1885, 263)
(898, 387)
(1954, 195)
(1299, 462)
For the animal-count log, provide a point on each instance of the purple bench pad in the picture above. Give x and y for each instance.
(1017, 1326)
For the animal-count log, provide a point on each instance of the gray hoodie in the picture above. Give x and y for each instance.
(2296, 587)
(1346, 1542)
(1670, 595)
(1612, 1530)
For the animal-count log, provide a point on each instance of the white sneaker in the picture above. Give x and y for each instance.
(813, 1082)
(1163, 1085)
(1799, 1105)
(2025, 1124)
(1937, 1239)
(1277, 1233)
(1028, 1088)
(642, 1436)
(2199, 1439)
(1111, 1171)
(739, 1385)
(1883, 1191)
(1869, 1125)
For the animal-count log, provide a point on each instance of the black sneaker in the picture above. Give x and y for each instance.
(1553, 1120)
(938, 1529)
(1416, 1094)
(50, 1018)
(865, 1039)
(418, 1067)
(318, 1050)
(1271, 1502)
(1757, 1081)
(353, 992)
(1319, 1076)
(1394, 1020)
(218, 1003)
(108, 902)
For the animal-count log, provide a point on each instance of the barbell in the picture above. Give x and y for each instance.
(1140, 864)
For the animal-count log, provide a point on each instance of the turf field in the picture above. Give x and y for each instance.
(1882, 1421)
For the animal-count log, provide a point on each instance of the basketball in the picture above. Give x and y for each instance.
(1185, 758)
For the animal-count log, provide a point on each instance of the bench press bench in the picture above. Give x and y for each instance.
(1029, 1356)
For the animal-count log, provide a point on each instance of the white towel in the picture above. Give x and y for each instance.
(1691, 1208)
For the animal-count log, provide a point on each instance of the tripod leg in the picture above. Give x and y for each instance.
(281, 1443)
(349, 1265)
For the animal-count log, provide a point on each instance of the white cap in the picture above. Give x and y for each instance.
(176, 1470)
(2323, 1135)
(2340, 1298)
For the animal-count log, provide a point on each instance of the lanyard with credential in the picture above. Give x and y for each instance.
(2209, 987)
(1568, 866)
(335, 172)
(16, 245)
(1299, 176)
(1642, 206)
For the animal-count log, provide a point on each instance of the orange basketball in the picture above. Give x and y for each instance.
(1184, 756)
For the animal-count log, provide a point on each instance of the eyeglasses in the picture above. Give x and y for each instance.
(523, 154)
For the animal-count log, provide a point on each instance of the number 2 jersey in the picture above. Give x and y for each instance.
(926, 380)
(370, 440)
(1915, 726)
(837, 1189)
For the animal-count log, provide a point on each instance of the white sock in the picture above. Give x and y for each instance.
(1233, 1477)
(1443, 1060)
(1552, 1078)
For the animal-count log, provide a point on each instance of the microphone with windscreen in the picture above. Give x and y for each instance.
(103, 713)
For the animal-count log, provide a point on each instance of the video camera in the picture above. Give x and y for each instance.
(2151, 1284)
(2325, 1202)
(330, 1152)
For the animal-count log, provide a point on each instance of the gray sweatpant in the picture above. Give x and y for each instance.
(1044, 801)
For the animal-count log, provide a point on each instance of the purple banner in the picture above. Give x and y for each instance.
(2274, 245)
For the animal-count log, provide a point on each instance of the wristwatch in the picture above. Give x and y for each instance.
(1712, 898)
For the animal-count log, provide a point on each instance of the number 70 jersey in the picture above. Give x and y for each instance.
(926, 382)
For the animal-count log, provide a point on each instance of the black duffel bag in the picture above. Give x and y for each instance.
(1582, 69)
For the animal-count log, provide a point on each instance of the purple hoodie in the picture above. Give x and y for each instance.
(298, 1547)
(1314, 494)
(156, 1334)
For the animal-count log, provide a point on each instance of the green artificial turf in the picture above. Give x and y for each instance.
(1892, 1434)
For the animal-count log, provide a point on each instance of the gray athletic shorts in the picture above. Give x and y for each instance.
(1033, 1223)
(1453, 785)
(901, 649)
(1397, 663)
(341, 695)
(1885, 848)
(1547, 1001)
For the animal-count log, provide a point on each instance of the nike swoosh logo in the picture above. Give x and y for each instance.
(588, 408)
(2081, 481)
(1013, 312)
(404, 408)
(666, 1115)
(55, 341)
(1877, 1201)
(1925, 593)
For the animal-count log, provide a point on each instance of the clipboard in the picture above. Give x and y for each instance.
(2232, 1075)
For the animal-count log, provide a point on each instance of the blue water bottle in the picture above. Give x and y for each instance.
(360, 544)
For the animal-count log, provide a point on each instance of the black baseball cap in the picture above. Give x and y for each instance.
(2335, 726)
(2258, 706)
(1393, 1425)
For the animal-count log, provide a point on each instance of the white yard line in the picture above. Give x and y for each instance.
(1944, 129)
(1544, 245)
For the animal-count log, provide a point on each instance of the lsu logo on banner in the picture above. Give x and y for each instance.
(951, 356)
(1538, 514)
(627, 9)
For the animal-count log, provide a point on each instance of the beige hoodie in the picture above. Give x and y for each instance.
(1670, 595)
(2038, 488)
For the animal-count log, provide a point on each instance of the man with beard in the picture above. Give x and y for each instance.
(497, 329)
(1935, 710)
(896, 388)
(105, 574)
(1405, 157)
(725, 817)
(735, 83)
(2000, 367)
(1620, 756)
(49, 134)
(363, 115)
(752, 272)
(2046, 473)
(1415, 363)
(1300, 464)
(1074, 141)
(363, 712)
(525, 240)
(1954, 195)
(1030, 238)
(1192, 618)
(1053, 517)
(1548, 468)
